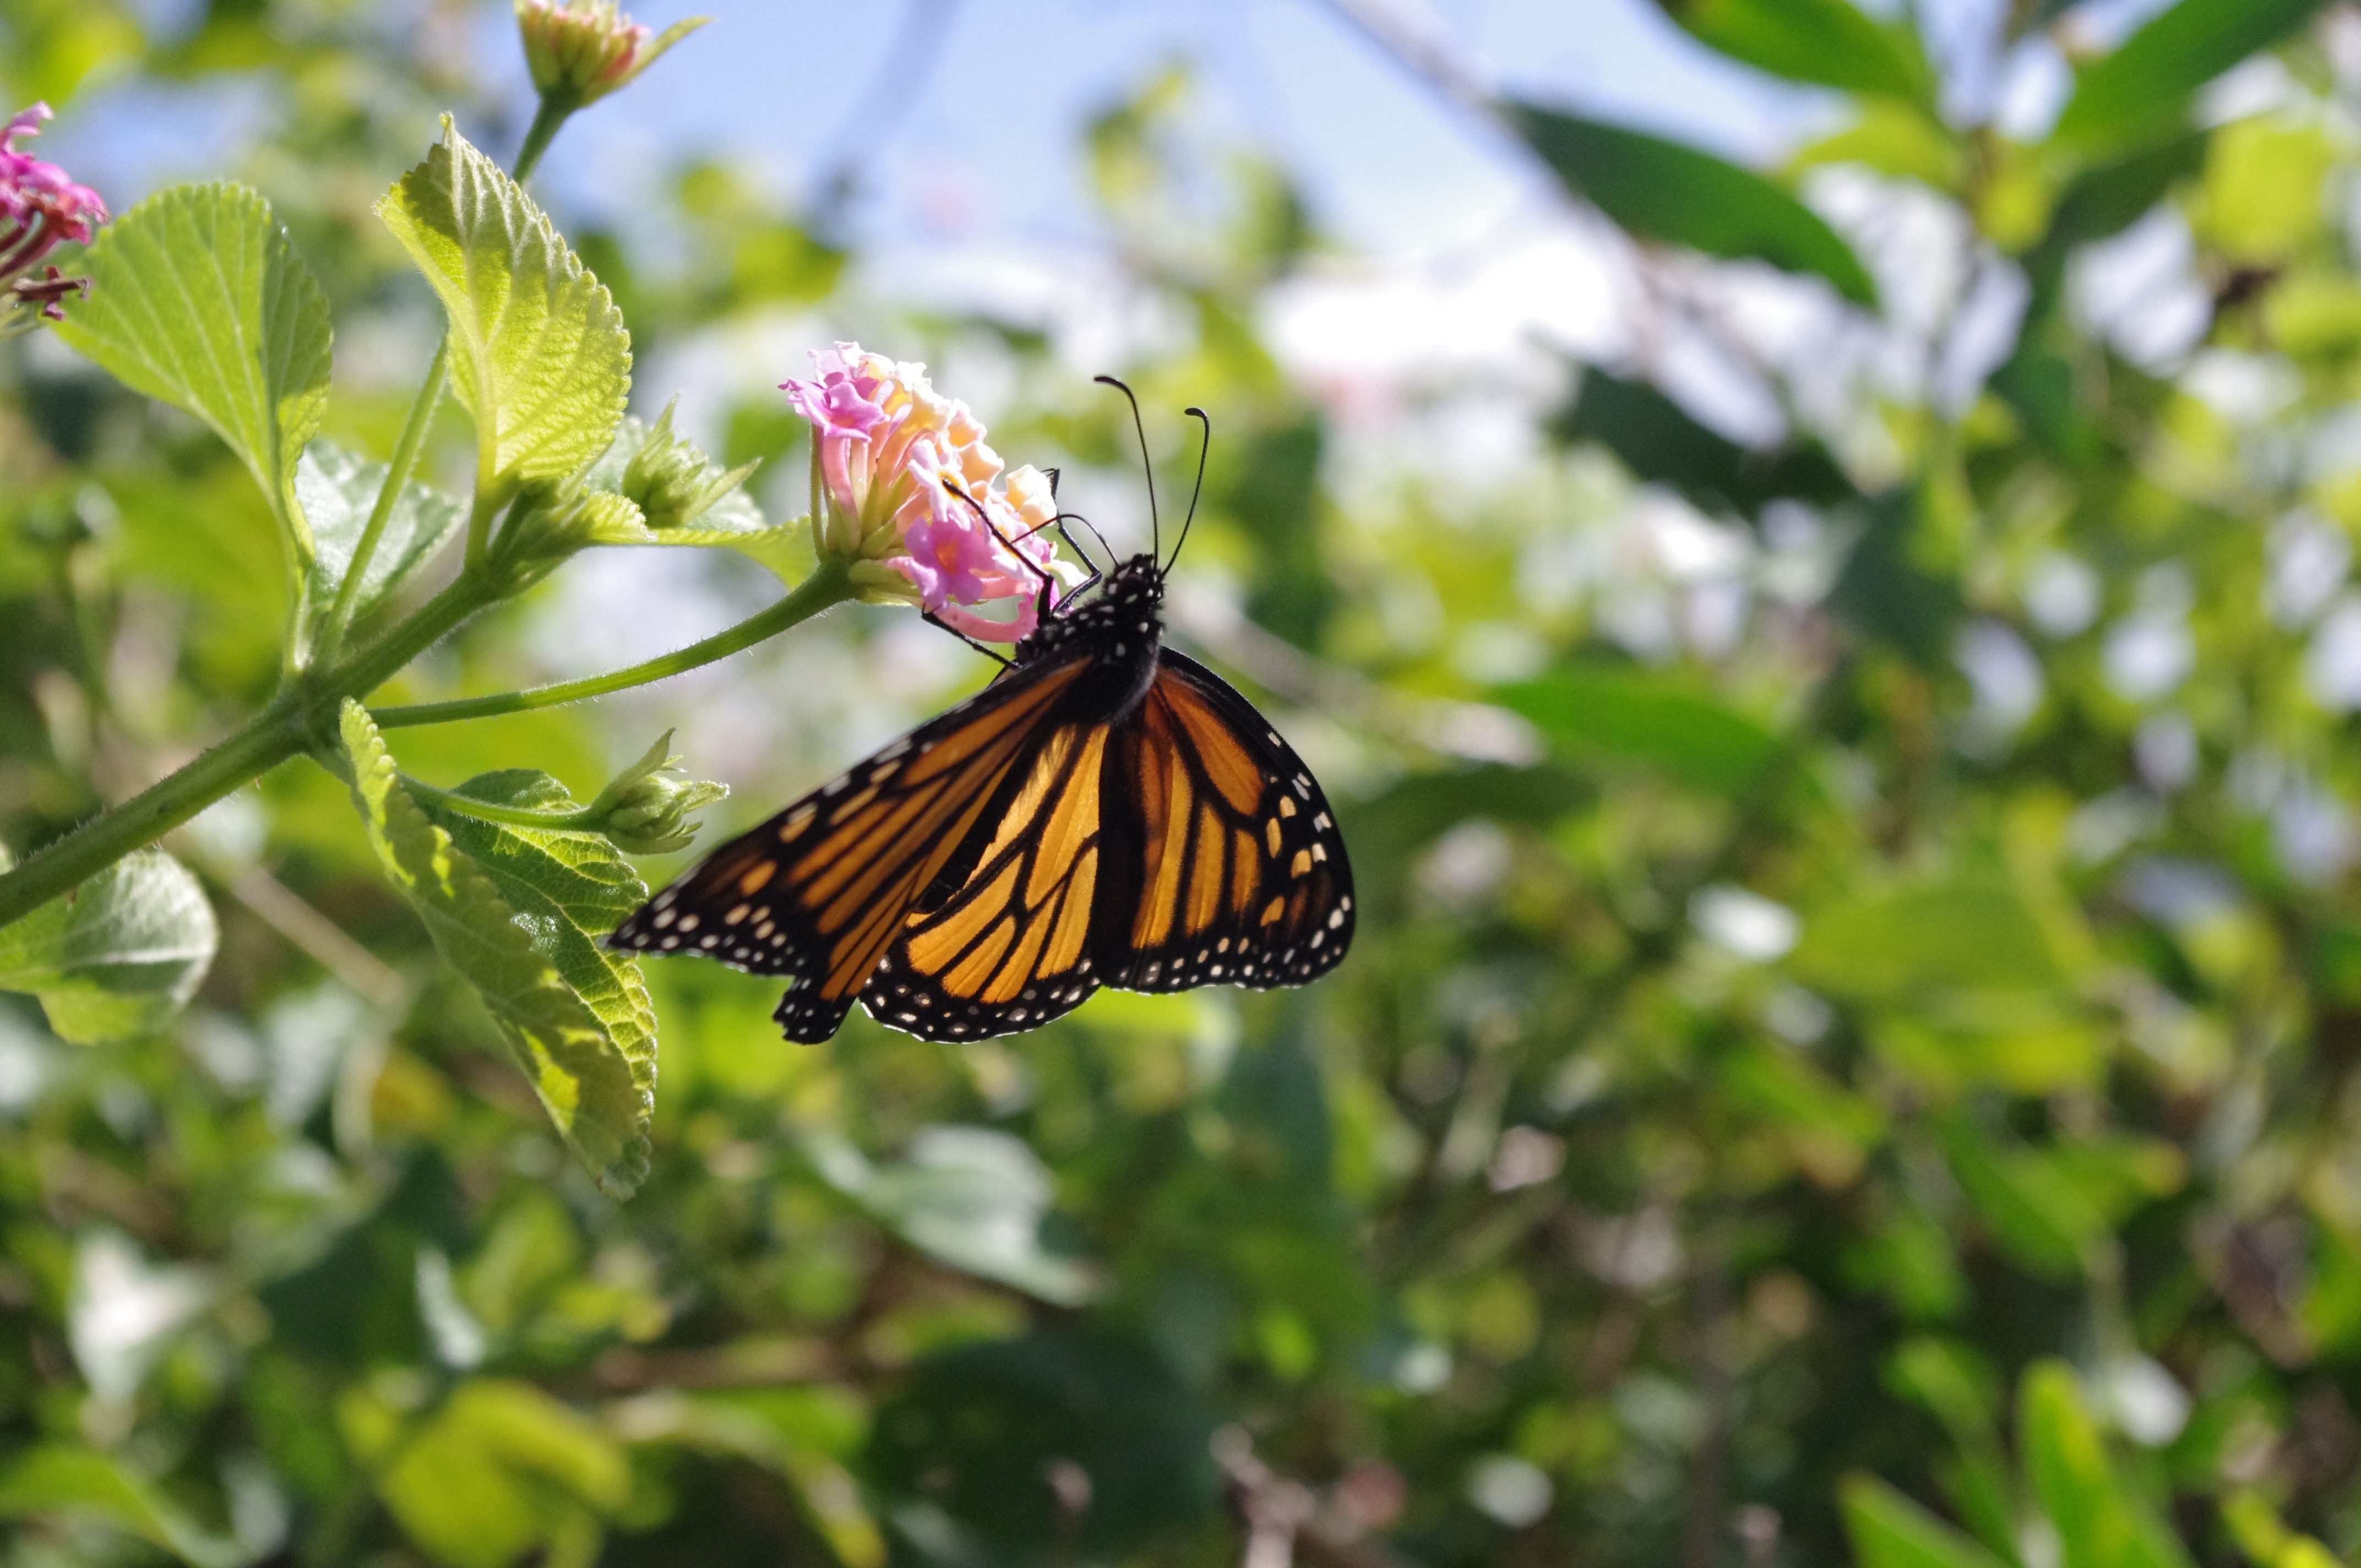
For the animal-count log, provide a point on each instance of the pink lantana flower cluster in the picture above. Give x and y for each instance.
(907, 492)
(39, 208)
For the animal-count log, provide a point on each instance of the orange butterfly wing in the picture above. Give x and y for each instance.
(821, 890)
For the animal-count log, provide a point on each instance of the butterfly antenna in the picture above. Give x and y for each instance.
(1140, 426)
(1204, 448)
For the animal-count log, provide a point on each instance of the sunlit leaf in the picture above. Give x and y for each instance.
(118, 955)
(502, 1468)
(539, 354)
(197, 298)
(591, 1087)
(1827, 42)
(338, 489)
(57, 1482)
(2143, 88)
(1888, 1530)
(1972, 933)
(970, 1196)
(1601, 713)
(1661, 189)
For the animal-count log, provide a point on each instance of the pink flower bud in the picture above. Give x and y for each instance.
(583, 50)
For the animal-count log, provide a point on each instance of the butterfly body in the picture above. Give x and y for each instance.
(1107, 812)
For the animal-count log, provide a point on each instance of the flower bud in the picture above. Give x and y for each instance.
(673, 483)
(550, 521)
(580, 50)
(645, 810)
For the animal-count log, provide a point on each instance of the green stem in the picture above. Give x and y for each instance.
(292, 723)
(583, 821)
(405, 459)
(555, 108)
(829, 584)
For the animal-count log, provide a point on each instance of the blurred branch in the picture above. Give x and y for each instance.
(1423, 49)
(1473, 731)
(898, 83)
(286, 912)
(1283, 1516)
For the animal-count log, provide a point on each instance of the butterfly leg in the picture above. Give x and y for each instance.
(931, 619)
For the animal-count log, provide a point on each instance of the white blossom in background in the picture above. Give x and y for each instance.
(2005, 677)
(1744, 923)
(2061, 594)
(2308, 558)
(2164, 748)
(2149, 652)
(2141, 291)
(2332, 665)
(123, 1312)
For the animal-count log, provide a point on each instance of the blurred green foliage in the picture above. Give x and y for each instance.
(1851, 1053)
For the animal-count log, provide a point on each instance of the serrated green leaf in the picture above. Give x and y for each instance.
(539, 354)
(1659, 190)
(118, 955)
(584, 1078)
(569, 890)
(2142, 89)
(1888, 1530)
(1827, 42)
(63, 1481)
(197, 298)
(338, 489)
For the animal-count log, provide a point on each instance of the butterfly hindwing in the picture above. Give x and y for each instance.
(1008, 949)
(818, 892)
(1233, 870)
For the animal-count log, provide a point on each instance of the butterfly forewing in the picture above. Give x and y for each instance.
(1234, 872)
(820, 892)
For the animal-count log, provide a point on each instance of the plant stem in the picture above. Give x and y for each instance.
(827, 584)
(295, 720)
(405, 459)
(582, 821)
(555, 108)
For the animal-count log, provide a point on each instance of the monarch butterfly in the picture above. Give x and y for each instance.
(1106, 812)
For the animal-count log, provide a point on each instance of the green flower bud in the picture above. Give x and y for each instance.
(645, 810)
(580, 50)
(550, 521)
(673, 483)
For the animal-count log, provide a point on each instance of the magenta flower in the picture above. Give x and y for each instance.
(905, 491)
(40, 207)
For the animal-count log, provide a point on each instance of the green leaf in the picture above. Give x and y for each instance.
(1659, 190)
(591, 1087)
(60, 1481)
(2035, 1212)
(500, 1469)
(338, 489)
(1597, 713)
(1827, 42)
(1888, 1530)
(118, 955)
(2141, 91)
(1970, 933)
(539, 354)
(972, 1197)
(1659, 442)
(198, 299)
(569, 890)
